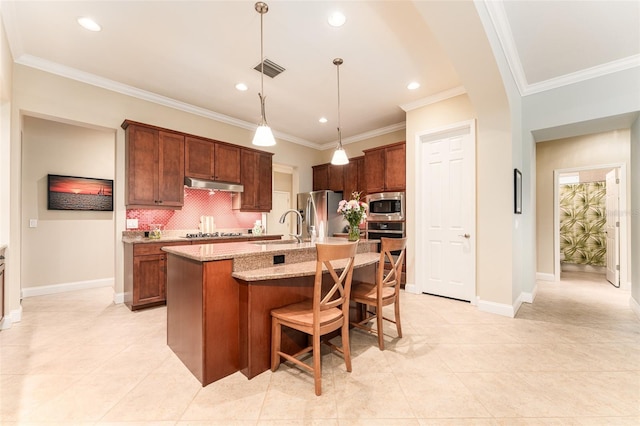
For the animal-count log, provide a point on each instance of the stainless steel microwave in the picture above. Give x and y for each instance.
(385, 206)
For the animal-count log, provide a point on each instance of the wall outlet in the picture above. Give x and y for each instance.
(132, 223)
(33, 223)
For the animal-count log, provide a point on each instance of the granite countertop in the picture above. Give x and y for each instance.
(138, 239)
(300, 269)
(252, 255)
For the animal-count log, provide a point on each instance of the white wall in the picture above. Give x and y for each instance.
(66, 247)
(634, 259)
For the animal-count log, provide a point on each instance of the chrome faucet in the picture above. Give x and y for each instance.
(298, 223)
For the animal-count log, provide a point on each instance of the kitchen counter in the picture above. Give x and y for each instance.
(220, 296)
(178, 238)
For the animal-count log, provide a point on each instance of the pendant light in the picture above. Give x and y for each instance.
(339, 156)
(263, 136)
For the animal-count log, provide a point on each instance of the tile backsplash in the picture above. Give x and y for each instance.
(197, 202)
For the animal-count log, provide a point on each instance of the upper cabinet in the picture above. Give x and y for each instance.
(256, 179)
(384, 168)
(154, 167)
(328, 176)
(207, 159)
(354, 178)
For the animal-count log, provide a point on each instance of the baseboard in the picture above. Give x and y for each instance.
(64, 287)
(499, 308)
(526, 297)
(13, 316)
(118, 298)
(543, 276)
(411, 288)
(635, 307)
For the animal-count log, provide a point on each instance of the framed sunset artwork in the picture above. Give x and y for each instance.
(79, 193)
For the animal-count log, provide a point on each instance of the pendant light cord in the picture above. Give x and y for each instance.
(262, 8)
(338, 62)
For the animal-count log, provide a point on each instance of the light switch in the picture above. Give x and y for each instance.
(33, 223)
(132, 223)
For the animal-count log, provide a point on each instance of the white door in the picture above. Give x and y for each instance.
(446, 213)
(613, 228)
(281, 203)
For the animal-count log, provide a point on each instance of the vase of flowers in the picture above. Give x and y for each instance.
(355, 212)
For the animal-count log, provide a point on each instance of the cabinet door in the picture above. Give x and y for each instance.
(321, 177)
(374, 170)
(1, 292)
(227, 163)
(149, 275)
(198, 158)
(265, 185)
(170, 169)
(336, 178)
(249, 179)
(354, 178)
(142, 165)
(395, 160)
(362, 178)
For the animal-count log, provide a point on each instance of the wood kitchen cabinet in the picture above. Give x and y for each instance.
(145, 274)
(354, 178)
(384, 168)
(256, 177)
(328, 176)
(208, 159)
(154, 167)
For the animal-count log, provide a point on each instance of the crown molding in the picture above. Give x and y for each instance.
(114, 86)
(366, 135)
(583, 75)
(438, 97)
(501, 25)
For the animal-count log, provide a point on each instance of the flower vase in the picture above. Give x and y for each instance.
(354, 232)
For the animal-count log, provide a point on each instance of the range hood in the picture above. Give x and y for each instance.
(210, 184)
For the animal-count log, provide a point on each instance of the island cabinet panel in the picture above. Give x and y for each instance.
(202, 317)
(154, 167)
(208, 159)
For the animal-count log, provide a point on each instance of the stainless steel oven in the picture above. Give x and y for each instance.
(377, 230)
(385, 206)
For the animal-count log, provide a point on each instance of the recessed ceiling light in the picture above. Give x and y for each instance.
(413, 85)
(336, 19)
(89, 24)
(323, 120)
(242, 87)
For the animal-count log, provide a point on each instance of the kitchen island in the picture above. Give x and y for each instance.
(219, 299)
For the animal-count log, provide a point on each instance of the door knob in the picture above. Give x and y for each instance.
(464, 235)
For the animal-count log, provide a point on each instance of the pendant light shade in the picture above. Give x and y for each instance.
(339, 155)
(263, 136)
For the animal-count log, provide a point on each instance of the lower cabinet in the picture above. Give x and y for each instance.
(145, 270)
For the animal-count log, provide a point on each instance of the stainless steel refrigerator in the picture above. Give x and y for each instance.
(320, 209)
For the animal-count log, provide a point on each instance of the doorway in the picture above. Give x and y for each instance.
(590, 234)
(446, 212)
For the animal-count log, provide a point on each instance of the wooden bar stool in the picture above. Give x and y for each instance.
(326, 312)
(385, 291)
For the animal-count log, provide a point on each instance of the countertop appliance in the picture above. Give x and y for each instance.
(320, 209)
(385, 206)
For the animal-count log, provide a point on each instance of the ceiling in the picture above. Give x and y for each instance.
(191, 54)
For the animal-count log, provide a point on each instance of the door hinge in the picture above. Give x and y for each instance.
(617, 180)
(617, 267)
(617, 224)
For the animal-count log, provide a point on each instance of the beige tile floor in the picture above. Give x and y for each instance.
(571, 358)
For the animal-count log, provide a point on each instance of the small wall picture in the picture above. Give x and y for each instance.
(79, 193)
(517, 186)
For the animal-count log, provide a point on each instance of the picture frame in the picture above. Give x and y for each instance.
(79, 193)
(517, 185)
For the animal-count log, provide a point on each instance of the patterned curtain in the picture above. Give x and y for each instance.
(582, 223)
